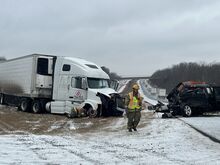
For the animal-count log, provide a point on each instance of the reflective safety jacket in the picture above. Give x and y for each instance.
(134, 102)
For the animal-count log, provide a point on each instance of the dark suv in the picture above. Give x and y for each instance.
(193, 98)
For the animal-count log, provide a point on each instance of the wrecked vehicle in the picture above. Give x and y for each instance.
(59, 85)
(190, 98)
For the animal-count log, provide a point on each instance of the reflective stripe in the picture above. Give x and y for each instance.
(134, 101)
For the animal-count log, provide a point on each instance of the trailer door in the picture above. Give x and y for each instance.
(44, 72)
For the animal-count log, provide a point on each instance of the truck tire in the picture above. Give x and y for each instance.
(187, 111)
(1, 99)
(25, 105)
(36, 106)
(92, 113)
(48, 107)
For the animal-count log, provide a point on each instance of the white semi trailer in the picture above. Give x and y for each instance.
(60, 85)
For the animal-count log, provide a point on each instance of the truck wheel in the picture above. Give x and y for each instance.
(48, 107)
(36, 106)
(1, 99)
(25, 105)
(92, 113)
(187, 111)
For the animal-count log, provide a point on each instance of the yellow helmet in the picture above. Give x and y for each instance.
(135, 86)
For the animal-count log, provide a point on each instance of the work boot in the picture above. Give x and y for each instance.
(130, 130)
(134, 129)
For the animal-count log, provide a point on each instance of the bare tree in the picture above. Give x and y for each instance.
(169, 77)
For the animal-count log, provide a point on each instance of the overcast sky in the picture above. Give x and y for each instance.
(131, 37)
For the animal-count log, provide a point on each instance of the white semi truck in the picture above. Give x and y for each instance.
(59, 85)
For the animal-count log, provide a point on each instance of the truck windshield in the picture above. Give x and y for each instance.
(98, 83)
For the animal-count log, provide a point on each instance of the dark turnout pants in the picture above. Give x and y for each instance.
(134, 117)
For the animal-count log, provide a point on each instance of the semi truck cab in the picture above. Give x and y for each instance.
(82, 85)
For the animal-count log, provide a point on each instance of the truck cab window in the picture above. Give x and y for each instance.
(76, 82)
(66, 67)
(42, 66)
(96, 83)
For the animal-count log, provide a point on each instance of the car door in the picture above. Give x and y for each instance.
(217, 97)
(201, 99)
(196, 97)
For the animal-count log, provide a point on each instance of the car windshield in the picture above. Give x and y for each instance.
(98, 83)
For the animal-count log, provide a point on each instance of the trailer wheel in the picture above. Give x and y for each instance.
(187, 111)
(25, 105)
(36, 106)
(92, 113)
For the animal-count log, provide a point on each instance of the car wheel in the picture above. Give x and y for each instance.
(187, 111)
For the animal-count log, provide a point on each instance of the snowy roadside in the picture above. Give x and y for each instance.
(209, 125)
(157, 141)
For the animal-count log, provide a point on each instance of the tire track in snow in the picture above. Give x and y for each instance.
(133, 149)
(103, 150)
(28, 142)
(57, 145)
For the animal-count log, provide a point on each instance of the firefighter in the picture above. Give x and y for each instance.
(133, 103)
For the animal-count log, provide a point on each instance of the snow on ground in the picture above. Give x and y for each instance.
(160, 141)
(209, 124)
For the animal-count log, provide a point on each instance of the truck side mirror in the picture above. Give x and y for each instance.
(84, 83)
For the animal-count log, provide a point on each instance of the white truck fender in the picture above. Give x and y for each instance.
(93, 103)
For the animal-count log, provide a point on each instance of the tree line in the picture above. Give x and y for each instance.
(168, 78)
